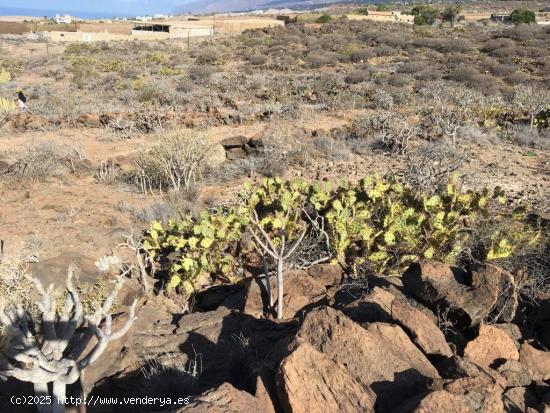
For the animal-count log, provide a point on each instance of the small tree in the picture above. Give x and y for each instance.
(451, 13)
(52, 347)
(424, 14)
(531, 100)
(276, 224)
(522, 16)
(363, 11)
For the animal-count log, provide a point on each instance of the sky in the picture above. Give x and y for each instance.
(126, 7)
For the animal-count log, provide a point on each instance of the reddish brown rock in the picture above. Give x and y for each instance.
(224, 399)
(471, 298)
(235, 153)
(519, 399)
(422, 330)
(380, 355)
(516, 374)
(234, 142)
(484, 390)
(90, 120)
(537, 361)
(308, 381)
(490, 346)
(439, 401)
(328, 274)
(381, 305)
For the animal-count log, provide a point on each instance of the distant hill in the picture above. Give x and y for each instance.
(211, 6)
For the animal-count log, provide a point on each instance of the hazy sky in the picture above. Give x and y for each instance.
(103, 6)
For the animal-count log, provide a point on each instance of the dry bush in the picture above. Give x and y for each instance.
(357, 76)
(208, 56)
(464, 74)
(317, 59)
(332, 149)
(388, 131)
(39, 163)
(258, 59)
(413, 66)
(523, 135)
(201, 74)
(431, 165)
(176, 162)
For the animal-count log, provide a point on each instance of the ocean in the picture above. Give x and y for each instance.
(19, 11)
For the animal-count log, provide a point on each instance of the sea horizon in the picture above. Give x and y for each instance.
(21, 11)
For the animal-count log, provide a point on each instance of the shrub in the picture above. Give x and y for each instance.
(463, 74)
(258, 59)
(175, 162)
(325, 18)
(200, 74)
(208, 57)
(522, 16)
(412, 66)
(424, 14)
(451, 13)
(39, 163)
(357, 76)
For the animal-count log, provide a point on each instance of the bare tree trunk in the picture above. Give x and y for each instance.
(280, 288)
(58, 397)
(532, 120)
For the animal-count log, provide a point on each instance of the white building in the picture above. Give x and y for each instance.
(144, 18)
(65, 19)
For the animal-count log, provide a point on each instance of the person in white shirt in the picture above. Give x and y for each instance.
(21, 101)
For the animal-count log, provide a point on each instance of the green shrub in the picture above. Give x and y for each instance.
(325, 18)
(424, 14)
(375, 223)
(524, 16)
(542, 120)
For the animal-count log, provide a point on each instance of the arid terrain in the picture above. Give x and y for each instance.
(450, 312)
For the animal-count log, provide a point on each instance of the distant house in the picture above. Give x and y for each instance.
(65, 19)
(144, 18)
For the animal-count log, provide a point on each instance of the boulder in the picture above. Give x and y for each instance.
(502, 286)
(234, 142)
(423, 331)
(375, 307)
(380, 356)
(224, 399)
(470, 298)
(519, 399)
(90, 120)
(515, 373)
(235, 153)
(327, 274)
(483, 391)
(215, 155)
(436, 401)
(380, 305)
(491, 346)
(537, 361)
(308, 381)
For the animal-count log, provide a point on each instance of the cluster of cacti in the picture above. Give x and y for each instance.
(203, 246)
(5, 76)
(380, 223)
